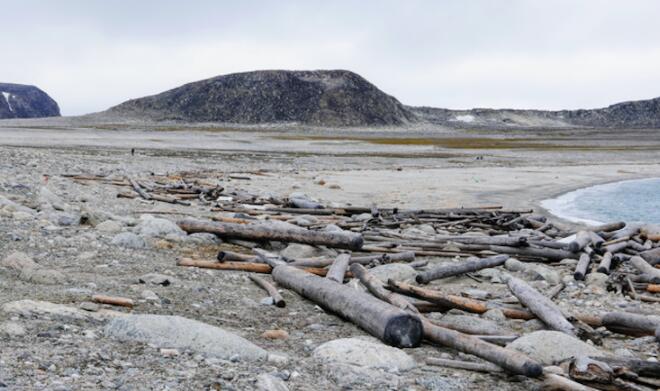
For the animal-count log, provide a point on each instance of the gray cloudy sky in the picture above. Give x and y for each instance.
(92, 54)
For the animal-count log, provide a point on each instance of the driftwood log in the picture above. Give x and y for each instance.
(338, 269)
(582, 267)
(640, 264)
(554, 382)
(113, 300)
(510, 360)
(582, 240)
(272, 291)
(390, 324)
(468, 266)
(406, 256)
(254, 267)
(605, 264)
(260, 232)
(540, 305)
(469, 365)
(631, 324)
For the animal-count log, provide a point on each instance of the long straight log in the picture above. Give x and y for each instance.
(468, 266)
(241, 266)
(468, 365)
(651, 256)
(338, 269)
(138, 189)
(540, 305)
(390, 324)
(608, 227)
(545, 253)
(640, 264)
(260, 232)
(407, 256)
(631, 324)
(272, 291)
(582, 266)
(230, 256)
(511, 360)
(452, 301)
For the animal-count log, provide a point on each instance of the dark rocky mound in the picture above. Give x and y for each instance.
(21, 101)
(329, 98)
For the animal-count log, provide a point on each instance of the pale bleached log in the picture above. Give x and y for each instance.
(338, 268)
(459, 268)
(582, 239)
(540, 305)
(582, 267)
(467, 365)
(640, 264)
(605, 263)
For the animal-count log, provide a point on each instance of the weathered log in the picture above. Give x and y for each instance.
(640, 367)
(629, 231)
(616, 247)
(596, 240)
(390, 324)
(651, 256)
(338, 269)
(304, 203)
(631, 324)
(608, 227)
(640, 264)
(138, 189)
(272, 291)
(468, 365)
(587, 370)
(509, 359)
(468, 266)
(636, 246)
(582, 266)
(260, 232)
(544, 254)
(605, 263)
(554, 382)
(657, 334)
(112, 300)
(540, 305)
(407, 256)
(582, 239)
(241, 266)
(453, 301)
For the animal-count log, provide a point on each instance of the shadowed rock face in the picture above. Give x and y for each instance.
(21, 101)
(334, 98)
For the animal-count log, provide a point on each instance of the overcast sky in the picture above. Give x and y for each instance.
(92, 54)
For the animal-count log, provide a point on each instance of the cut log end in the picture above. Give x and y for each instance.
(404, 331)
(532, 369)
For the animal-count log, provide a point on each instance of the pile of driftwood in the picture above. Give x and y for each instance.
(394, 311)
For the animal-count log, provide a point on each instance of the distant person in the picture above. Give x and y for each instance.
(132, 151)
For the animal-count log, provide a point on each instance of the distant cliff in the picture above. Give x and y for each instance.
(330, 98)
(22, 101)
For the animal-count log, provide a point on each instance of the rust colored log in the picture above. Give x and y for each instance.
(455, 269)
(261, 232)
(390, 324)
(113, 300)
(272, 291)
(540, 305)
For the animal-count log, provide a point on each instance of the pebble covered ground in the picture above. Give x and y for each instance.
(62, 242)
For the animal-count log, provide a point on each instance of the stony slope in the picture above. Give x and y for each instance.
(328, 98)
(23, 101)
(635, 114)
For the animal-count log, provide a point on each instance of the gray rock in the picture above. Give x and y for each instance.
(299, 251)
(129, 240)
(495, 315)
(597, 279)
(551, 347)
(150, 226)
(47, 200)
(42, 276)
(395, 271)
(514, 265)
(186, 334)
(149, 295)
(18, 261)
(203, 238)
(541, 272)
(109, 226)
(364, 352)
(31, 308)
(267, 382)
(9, 205)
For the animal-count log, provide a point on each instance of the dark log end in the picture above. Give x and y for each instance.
(603, 270)
(280, 303)
(221, 256)
(532, 369)
(573, 247)
(404, 331)
(578, 276)
(420, 279)
(356, 242)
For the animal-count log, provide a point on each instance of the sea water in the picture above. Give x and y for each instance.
(630, 201)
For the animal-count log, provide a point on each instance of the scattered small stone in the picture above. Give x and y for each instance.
(275, 334)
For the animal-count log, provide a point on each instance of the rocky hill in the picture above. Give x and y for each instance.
(636, 114)
(328, 98)
(23, 101)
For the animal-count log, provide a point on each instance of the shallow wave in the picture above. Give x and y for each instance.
(635, 200)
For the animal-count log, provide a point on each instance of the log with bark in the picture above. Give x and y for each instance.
(262, 232)
(468, 266)
(540, 305)
(390, 324)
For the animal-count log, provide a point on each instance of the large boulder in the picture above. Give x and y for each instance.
(24, 101)
(551, 347)
(186, 334)
(150, 226)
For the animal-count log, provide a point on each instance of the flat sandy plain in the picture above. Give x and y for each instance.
(414, 168)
